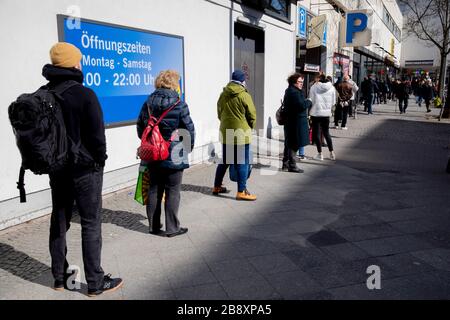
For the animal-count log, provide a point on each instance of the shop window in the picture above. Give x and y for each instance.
(279, 7)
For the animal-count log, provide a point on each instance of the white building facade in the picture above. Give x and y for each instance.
(381, 58)
(218, 36)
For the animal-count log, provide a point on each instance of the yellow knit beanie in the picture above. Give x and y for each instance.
(65, 55)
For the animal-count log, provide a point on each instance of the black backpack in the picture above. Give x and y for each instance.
(38, 125)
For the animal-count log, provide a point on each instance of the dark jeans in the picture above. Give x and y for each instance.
(427, 103)
(238, 155)
(318, 124)
(403, 104)
(341, 113)
(168, 181)
(368, 103)
(86, 191)
(350, 107)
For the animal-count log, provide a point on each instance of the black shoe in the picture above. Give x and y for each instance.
(158, 232)
(109, 285)
(428, 110)
(217, 190)
(178, 233)
(296, 170)
(285, 168)
(301, 157)
(59, 285)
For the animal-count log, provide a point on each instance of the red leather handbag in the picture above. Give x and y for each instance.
(153, 146)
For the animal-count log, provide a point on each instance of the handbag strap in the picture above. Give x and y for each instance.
(164, 113)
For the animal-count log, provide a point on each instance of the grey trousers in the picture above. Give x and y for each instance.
(162, 181)
(86, 191)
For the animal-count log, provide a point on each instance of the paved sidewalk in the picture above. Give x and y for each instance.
(385, 202)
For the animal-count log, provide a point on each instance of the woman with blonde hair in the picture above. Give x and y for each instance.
(166, 175)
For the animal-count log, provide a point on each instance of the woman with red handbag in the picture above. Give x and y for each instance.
(164, 109)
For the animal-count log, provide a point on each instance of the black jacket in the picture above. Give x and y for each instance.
(369, 87)
(426, 92)
(83, 117)
(178, 118)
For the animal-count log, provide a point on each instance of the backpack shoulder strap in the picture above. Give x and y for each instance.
(167, 111)
(60, 88)
(21, 185)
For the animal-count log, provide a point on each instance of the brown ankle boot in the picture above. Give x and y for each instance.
(245, 195)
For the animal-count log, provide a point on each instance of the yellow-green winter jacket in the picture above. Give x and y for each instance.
(237, 112)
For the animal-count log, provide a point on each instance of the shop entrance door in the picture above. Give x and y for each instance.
(249, 57)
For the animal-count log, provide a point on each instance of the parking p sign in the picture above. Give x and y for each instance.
(302, 22)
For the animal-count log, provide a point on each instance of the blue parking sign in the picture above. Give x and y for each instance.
(302, 22)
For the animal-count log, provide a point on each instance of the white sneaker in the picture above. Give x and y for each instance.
(319, 157)
(332, 156)
(344, 128)
(336, 127)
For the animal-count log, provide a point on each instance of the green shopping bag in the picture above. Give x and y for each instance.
(143, 183)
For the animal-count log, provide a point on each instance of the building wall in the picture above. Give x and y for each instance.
(380, 32)
(207, 28)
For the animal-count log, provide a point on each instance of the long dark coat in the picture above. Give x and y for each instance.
(297, 128)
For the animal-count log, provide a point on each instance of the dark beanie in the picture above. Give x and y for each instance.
(238, 75)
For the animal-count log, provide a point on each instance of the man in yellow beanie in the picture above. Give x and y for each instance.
(82, 180)
(65, 55)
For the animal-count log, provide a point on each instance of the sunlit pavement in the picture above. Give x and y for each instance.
(384, 202)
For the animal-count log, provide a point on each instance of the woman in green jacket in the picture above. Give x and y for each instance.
(237, 115)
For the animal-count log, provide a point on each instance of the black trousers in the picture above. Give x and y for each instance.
(168, 181)
(341, 113)
(86, 191)
(403, 104)
(318, 124)
(288, 154)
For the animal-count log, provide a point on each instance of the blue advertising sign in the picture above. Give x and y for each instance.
(302, 22)
(324, 41)
(121, 64)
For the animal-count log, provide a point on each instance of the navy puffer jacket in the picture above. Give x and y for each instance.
(178, 118)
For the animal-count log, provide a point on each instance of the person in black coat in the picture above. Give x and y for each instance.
(427, 93)
(296, 129)
(403, 96)
(166, 175)
(82, 180)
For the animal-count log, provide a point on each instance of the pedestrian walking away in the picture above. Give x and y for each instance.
(402, 96)
(237, 114)
(166, 175)
(352, 103)
(345, 93)
(427, 93)
(81, 181)
(296, 129)
(323, 96)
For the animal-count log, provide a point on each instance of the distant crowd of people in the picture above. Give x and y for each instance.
(376, 91)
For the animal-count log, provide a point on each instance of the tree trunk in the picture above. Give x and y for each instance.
(445, 112)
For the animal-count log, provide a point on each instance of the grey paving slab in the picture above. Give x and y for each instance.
(366, 232)
(439, 258)
(308, 257)
(273, 263)
(308, 236)
(392, 245)
(232, 269)
(203, 292)
(345, 251)
(253, 248)
(252, 288)
(403, 264)
(294, 284)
